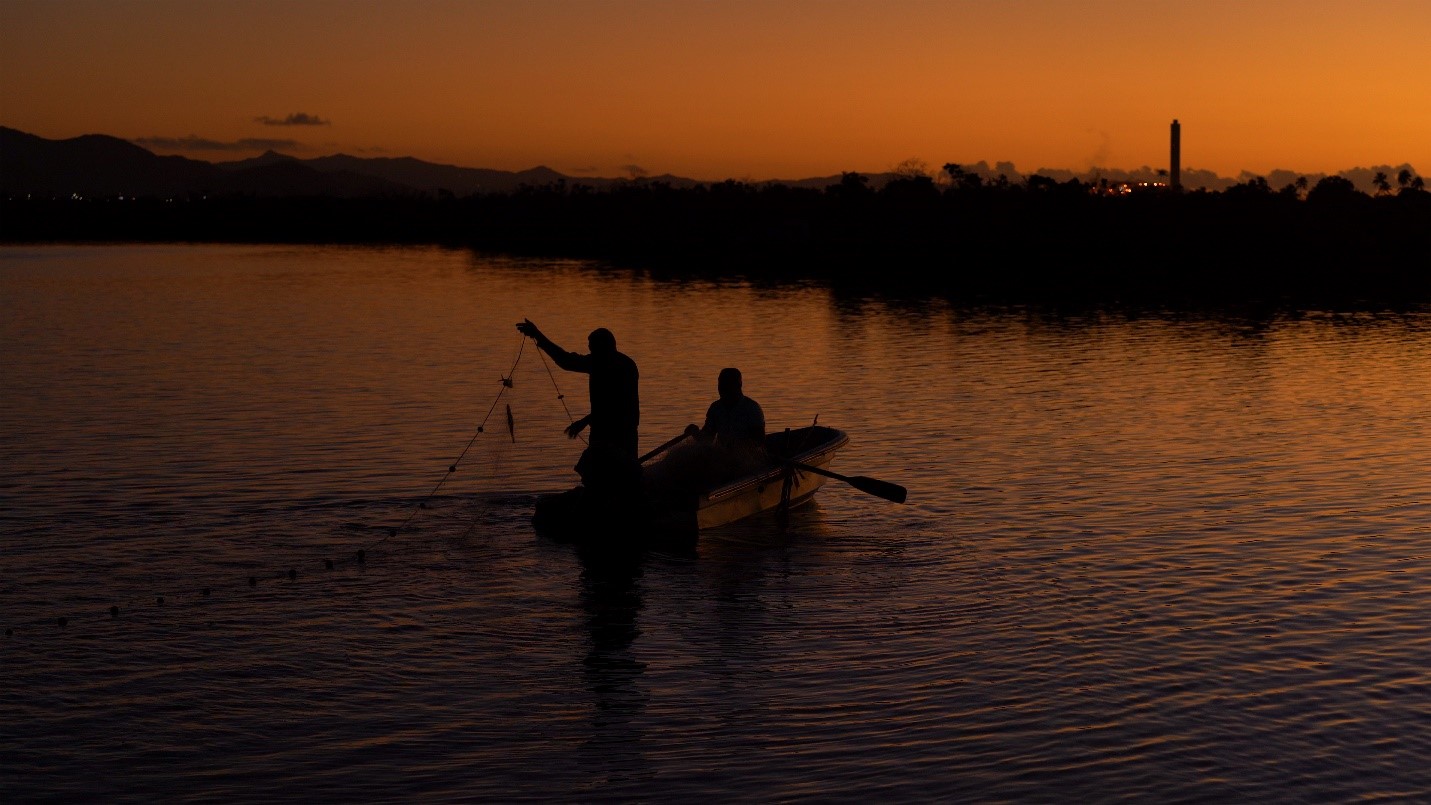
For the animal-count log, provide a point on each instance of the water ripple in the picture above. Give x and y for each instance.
(1147, 555)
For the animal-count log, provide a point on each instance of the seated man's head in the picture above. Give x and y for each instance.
(601, 341)
(729, 384)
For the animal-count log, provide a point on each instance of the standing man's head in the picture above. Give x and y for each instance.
(729, 384)
(601, 341)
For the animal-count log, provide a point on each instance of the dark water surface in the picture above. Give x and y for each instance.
(1159, 557)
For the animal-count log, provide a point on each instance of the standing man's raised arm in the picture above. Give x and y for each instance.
(569, 361)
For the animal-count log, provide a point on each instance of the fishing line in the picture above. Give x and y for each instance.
(561, 398)
(481, 428)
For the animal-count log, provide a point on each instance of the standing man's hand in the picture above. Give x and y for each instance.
(528, 329)
(574, 429)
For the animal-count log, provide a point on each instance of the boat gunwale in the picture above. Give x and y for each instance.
(816, 456)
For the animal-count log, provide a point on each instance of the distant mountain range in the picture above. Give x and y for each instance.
(98, 165)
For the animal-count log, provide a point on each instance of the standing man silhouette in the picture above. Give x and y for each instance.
(608, 465)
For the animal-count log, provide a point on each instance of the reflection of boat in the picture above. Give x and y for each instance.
(795, 470)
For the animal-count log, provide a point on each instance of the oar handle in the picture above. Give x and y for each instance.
(663, 448)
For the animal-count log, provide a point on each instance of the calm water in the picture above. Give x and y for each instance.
(1154, 557)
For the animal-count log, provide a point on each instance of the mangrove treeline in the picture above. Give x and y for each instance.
(968, 236)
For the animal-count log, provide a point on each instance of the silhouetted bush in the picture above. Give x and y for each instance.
(1039, 238)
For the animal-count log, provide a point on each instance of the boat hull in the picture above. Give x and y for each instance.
(578, 516)
(767, 490)
(776, 487)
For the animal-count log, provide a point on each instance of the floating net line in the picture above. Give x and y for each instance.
(353, 557)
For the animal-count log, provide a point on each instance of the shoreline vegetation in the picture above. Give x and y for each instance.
(964, 236)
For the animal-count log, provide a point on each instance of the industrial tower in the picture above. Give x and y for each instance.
(1175, 167)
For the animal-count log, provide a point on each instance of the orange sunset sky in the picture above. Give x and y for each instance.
(725, 89)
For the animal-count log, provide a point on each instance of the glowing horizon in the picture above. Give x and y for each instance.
(735, 89)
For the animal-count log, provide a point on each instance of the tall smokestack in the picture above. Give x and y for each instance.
(1175, 171)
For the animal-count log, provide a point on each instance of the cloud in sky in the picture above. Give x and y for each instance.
(196, 143)
(295, 119)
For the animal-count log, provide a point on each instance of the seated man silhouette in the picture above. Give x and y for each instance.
(734, 421)
(731, 443)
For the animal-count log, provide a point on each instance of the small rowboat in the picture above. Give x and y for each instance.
(796, 467)
(784, 483)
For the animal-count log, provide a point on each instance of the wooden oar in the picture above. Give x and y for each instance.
(663, 448)
(874, 486)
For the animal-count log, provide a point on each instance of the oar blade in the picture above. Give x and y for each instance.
(884, 489)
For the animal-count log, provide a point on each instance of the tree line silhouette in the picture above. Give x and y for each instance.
(964, 234)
